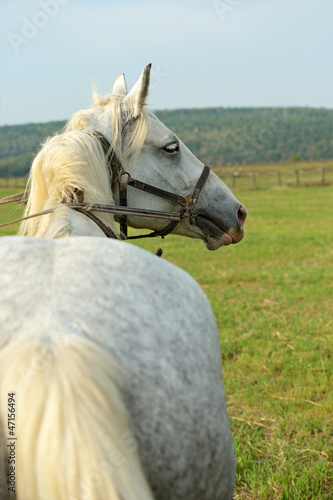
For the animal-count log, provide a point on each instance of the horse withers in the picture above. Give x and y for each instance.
(110, 363)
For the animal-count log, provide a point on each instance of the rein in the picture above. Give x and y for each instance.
(121, 212)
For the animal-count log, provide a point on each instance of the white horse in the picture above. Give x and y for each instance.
(110, 369)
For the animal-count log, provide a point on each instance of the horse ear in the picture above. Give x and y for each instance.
(139, 91)
(119, 86)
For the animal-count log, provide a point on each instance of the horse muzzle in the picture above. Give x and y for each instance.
(218, 230)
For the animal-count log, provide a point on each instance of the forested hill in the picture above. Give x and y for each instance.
(218, 136)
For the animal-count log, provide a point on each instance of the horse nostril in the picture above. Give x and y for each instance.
(241, 215)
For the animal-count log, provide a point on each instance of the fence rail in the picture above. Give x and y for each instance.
(290, 176)
(13, 183)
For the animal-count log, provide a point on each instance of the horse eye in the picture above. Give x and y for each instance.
(172, 148)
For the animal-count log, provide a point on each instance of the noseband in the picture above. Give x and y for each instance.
(116, 170)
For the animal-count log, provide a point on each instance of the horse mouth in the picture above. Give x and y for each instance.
(216, 236)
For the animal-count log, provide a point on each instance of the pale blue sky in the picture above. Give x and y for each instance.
(204, 53)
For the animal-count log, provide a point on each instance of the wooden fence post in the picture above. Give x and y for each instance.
(297, 177)
(279, 177)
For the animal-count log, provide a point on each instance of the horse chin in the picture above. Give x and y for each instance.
(216, 243)
(214, 237)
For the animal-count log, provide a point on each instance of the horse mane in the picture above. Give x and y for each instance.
(74, 162)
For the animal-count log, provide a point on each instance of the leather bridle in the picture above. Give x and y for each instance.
(188, 203)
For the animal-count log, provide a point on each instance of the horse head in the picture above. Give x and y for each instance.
(76, 166)
(153, 154)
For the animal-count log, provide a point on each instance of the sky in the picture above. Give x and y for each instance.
(204, 53)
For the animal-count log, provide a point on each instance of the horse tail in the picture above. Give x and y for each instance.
(71, 429)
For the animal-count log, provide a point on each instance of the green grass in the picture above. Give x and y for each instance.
(10, 212)
(272, 296)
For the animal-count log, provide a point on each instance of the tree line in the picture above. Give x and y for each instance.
(218, 136)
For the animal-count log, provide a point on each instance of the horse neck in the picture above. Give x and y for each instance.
(70, 163)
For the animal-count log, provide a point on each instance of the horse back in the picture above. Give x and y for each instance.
(156, 323)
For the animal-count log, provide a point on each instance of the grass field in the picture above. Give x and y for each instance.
(10, 212)
(272, 295)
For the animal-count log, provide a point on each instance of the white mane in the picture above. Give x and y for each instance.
(73, 162)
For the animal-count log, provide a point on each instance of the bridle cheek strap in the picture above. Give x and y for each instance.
(192, 200)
